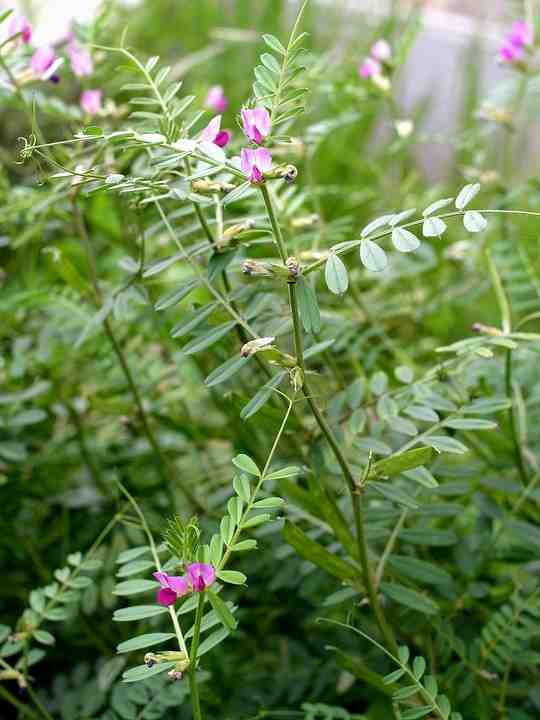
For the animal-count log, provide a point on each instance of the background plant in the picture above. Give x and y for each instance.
(395, 451)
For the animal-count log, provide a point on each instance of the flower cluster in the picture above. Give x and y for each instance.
(373, 67)
(520, 37)
(45, 62)
(198, 577)
(255, 162)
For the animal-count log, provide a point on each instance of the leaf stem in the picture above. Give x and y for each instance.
(195, 700)
(354, 490)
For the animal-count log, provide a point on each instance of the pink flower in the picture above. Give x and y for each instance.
(509, 53)
(256, 123)
(172, 587)
(521, 33)
(216, 100)
(91, 101)
(80, 59)
(212, 133)
(19, 24)
(255, 163)
(369, 68)
(201, 576)
(43, 60)
(381, 51)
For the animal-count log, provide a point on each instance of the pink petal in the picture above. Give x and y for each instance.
(162, 578)
(261, 120)
(381, 51)
(211, 130)
(263, 159)
(91, 101)
(216, 100)
(246, 123)
(81, 60)
(247, 159)
(222, 138)
(166, 597)
(201, 575)
(369, 68)
(42, 59)
(19, 24)
(179, 583)
(521, 33)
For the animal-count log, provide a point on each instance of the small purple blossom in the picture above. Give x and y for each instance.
(255, 163)
(43, 59)
(521, 36)
(91, 101)
(369, 68)
(216, 100)
(213, 133)
(19, 24)
(172, 587)
(80, 59)
(201, 576)
(256, 123)
(381, 51)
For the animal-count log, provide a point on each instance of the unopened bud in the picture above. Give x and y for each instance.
(486, 329)
(175, 675)
(231, 232)
(210, 187)
(256, 268)
(305, 221)
(293, 268)
(253, 346)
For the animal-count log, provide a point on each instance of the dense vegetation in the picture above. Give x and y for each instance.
(264, 367)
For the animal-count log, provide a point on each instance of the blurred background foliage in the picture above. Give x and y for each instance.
(67, 421)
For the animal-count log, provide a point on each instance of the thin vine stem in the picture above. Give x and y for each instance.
(354, 489)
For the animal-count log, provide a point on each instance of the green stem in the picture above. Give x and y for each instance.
(325, 428)
(21, 707)
(276, 229)
(509, 386)
(194, 689)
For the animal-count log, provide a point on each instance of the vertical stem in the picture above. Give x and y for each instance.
(354, 490)
(512, 418)
(194, 689)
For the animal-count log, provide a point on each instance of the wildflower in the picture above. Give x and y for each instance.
(404, 128)
(255, 163)
(201, 576)
(172, 587)
(213, 133)
(80, 59)
(370, 68)
(19, 25)
(216, 100)
(521, 36)
(44, 63)
(91, 101)
(256, 123)
(381, 51)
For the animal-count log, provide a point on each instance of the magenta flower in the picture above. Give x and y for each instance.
(91, 101)
(521, 34)
(255, 163)
(213, 133)
(369, 68)
(19, 24)
(381, 51)
(172, 587)
(256, 123)
(216, 100)
(201, 576)
(80, 59)
(43, 60)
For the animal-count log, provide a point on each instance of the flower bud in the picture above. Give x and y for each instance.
(210, 187)
(305, 221)
(293, 268)
(256, 268)
(253, 346)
